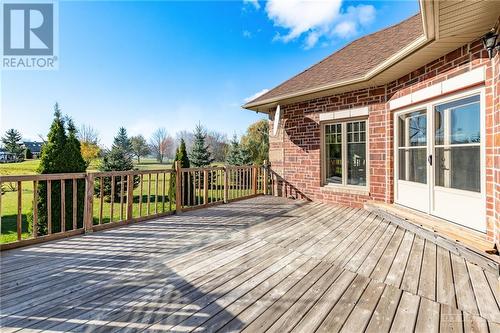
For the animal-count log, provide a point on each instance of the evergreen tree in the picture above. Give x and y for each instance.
(28, 154)
(122, 141)
(60, 154)
(118, 158)
(238, 154)
(200, 154)
(233, 154)
(182, 156)
(12, 143)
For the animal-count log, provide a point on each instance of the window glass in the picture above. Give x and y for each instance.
(413, 129)
(458, 122)
(356, 154)
(333, 141)
(458, 167)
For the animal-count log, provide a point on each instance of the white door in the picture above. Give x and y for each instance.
(440, 161)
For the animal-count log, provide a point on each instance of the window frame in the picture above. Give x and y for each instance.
(323, 162)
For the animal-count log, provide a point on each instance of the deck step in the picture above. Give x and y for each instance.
(465, 242)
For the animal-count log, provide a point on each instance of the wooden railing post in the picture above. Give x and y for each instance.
(130, 195)
(178, 187)
(254, 179)
(226, 184)
(205, 187)
(265, 178)
(88, 219)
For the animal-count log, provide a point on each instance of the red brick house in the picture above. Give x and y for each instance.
(407, 115)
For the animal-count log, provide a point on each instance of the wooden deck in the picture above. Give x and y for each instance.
(263, 264)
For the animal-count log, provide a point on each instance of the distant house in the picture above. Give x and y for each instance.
(6, 157)
(34, 146)
(408, 115)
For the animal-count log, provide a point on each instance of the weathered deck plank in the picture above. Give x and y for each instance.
(261, 264)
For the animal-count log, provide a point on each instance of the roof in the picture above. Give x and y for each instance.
(355, 60)
(33, 146)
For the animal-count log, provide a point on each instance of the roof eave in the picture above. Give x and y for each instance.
(428, 21)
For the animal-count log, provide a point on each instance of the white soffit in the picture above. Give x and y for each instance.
(461, 81)
(348, 113)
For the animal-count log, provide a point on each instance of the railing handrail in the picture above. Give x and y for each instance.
(203, 186)
(42, 177)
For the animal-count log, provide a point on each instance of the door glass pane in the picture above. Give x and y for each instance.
(356, 153)
(458, 122)
(417, 165)
(413, 129)
(458, 167)
(333, 149)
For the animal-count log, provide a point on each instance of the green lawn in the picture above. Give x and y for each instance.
(9, 199)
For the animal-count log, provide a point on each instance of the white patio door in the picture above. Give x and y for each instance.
(440, 160)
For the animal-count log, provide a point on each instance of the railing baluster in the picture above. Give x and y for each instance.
(75, 204)
(156, 194)
(130, 196)
(19, 209)
(149, 194)
(35, 209)
(49, 207)
(63, 205)
(121, 197)
(111, 208)
(189, 188)
(141, 179)
(101, 198)
(163, 193)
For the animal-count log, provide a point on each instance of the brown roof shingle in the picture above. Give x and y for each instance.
(352, 61)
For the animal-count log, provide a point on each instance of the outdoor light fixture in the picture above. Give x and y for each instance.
(490, 42)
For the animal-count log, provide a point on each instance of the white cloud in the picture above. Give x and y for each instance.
(254, 3)
(316, 19)
(254, 96)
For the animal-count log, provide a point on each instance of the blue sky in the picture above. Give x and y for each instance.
(145, 65)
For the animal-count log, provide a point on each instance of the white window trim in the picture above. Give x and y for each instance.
(344, 187)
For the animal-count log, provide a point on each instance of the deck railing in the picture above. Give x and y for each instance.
(54, 206)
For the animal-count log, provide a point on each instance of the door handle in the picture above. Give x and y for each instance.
(429, 159)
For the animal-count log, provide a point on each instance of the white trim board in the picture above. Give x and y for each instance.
(348, 113)
(455, 83)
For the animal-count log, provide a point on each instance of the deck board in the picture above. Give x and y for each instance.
(266, 263)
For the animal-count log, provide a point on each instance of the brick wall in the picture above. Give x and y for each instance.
(296, 150)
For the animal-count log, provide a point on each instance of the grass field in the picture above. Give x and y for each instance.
(9, 199)
(29, 167)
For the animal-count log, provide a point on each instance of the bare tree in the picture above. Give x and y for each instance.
(161, 144)
(188, 138)
(88, 134)
(218, 145)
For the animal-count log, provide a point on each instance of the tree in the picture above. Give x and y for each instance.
(118, 158)
(122, 141)
(60, 154)
(90, 151)
(237, 153)
(12, 143)
(256, 141)
(188, 138)
(217, 142)
(182, 156)
(200, 155)
(161, 144)
(88, 134)
(140, 147)
(28, 154)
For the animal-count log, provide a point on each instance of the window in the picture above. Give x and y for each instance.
(345, 153)
(457, 144)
